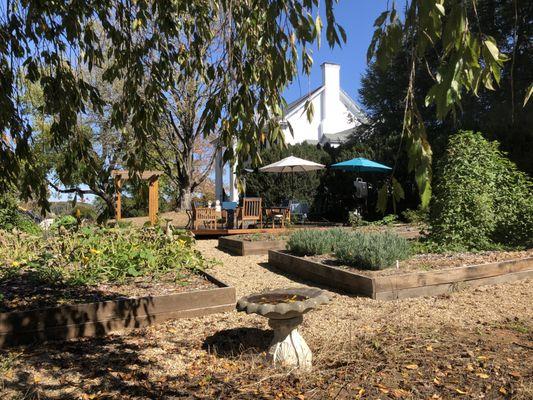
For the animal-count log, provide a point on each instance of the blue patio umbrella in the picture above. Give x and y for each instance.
(361, 164)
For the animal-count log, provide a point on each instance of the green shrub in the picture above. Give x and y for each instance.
(11, 217)
(417, 216)
(371, 250)
(355, 219)
(480, 200)
(66, 221)
(309, 242)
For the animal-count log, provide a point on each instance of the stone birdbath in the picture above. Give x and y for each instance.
(284, 309)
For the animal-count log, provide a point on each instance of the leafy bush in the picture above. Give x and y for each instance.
(66, 221)
(96, 255)
(389, 219)
(309, 242)
(480, 199)
(371, 250)
(11, 217)
(355, 219)
(417, 216)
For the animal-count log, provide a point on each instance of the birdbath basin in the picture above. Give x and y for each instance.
(284, 309)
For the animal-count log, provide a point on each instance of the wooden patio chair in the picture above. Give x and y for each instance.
(204, 215)
(277, 214)
(250, 211)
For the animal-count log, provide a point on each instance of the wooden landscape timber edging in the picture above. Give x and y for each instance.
(242, 247)
(415, 284)
(96, 319)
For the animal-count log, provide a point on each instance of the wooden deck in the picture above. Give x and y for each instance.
(228, 232)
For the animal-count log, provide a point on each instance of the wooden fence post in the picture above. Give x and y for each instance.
(153, 199)
(118, 205)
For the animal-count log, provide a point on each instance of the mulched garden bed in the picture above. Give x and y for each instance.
(260, 237)
(22, 292)
(430, 262)
(252, 244)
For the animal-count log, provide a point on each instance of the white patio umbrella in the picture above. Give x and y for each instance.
(292, 164)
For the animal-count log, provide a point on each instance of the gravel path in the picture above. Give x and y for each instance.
(484, 305)
(476, 341)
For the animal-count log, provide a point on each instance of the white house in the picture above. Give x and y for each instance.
(335, 115)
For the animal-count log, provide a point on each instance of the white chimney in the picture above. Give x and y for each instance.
(331, 96)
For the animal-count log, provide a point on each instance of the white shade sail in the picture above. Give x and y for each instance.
(292, 164)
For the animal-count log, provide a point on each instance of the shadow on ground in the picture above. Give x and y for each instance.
(236, 342)
(297, 279)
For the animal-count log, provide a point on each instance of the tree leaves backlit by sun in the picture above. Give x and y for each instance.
(49, 42)
(256, 46)
(468, 60)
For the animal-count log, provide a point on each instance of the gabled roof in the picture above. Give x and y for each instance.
(301, 101)
(339, 137)
(344, 97)
(358, 113)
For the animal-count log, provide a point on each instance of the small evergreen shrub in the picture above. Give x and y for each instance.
(372, 251)
(480, 199)
(308, 242)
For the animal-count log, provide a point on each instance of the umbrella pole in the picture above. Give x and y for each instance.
(292, 190)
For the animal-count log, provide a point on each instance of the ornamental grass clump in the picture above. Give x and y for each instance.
(308, 242)
(371, 250)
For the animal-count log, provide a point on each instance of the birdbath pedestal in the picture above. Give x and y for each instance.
(284, 309)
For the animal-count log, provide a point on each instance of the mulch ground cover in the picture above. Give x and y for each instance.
(470, 344)
(491, 362)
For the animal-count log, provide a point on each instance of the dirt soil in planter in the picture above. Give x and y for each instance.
(430, 262)
(260, 237)
(470, 344)
(24, 292)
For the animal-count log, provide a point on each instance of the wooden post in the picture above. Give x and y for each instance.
(118, 205)
(153, 199)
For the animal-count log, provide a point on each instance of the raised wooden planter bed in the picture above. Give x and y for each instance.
(95, 319)
(401, 286)
(243, 247)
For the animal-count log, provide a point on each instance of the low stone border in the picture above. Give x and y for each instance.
(401, 286)
(242, 247)
(96, 319)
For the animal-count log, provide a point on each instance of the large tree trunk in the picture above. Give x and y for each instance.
(185, 198)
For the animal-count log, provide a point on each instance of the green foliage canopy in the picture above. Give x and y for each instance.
(481, 199)
(48, 41)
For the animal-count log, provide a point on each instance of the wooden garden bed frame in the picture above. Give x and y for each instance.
(412, 284)
(241, 247)
(96, 319)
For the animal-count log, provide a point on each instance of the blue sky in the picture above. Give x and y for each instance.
(357, 18)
